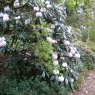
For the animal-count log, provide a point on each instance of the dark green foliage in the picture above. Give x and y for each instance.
(31, 87)
(28, 66)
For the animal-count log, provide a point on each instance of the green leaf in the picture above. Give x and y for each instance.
(43, 74)
(72, 85)
(52, 77)
(66, 81)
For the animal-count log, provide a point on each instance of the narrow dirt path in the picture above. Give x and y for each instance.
(88, 87)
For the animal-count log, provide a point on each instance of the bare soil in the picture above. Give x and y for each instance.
(88, 87)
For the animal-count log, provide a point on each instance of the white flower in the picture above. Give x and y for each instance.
(36, 8)
(55, 62)
(27, 21)
(77, 55)
(7, 8)
(55, 72)
(1, 14)
(2, 39)
(5, 17)
(50, 40)
(17, 18)
(47, 2)
(43, 10)
(54, 55)
(61, 78)
(70, 54)
(38, 14)
(48, 6)
(71, 79)
(66, 42)
(64, 65)
(16, 3)
(3, 43)
(72, 51)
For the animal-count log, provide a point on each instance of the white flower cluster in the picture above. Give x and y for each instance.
(56, 63)
(4, 16)
(2, 42)
(54, 57)
(7, 8)
(39, 11)
(61, 78)
(48, 5)
(16, 4)
(73, 51)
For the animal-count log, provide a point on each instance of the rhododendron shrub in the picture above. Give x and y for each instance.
(38, 41)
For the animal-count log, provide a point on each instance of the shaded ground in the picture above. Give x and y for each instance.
(88, 87)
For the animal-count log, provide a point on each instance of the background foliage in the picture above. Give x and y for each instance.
(33, 36)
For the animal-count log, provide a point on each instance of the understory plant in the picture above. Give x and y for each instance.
(36, 44)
